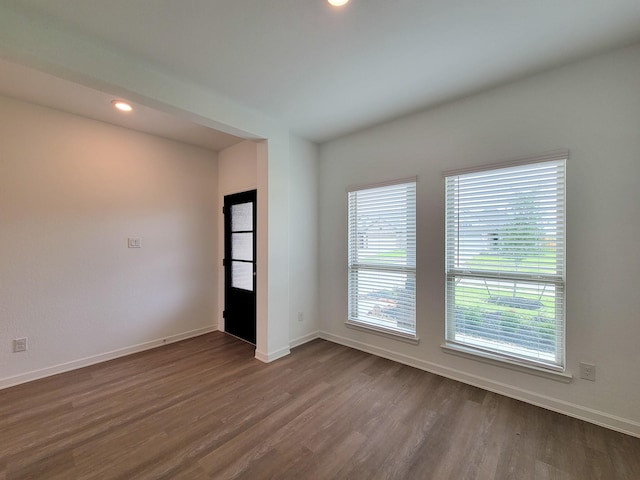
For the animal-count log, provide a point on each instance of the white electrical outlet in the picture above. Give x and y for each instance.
(300, 316)
(20, 345)
(588, 371)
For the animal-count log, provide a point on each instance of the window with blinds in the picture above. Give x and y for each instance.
(505, 261)
(382, 257)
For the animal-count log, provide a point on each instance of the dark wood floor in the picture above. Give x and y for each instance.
(204, 408)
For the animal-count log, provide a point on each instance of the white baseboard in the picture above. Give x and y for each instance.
(296, 342)
(283, 352)
(103, 357)
(596, 417)
(270, 357)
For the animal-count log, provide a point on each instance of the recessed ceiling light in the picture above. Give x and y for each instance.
(122, 106)
(338, 3)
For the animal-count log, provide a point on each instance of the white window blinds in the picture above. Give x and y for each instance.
(505, 261)
(382, 256)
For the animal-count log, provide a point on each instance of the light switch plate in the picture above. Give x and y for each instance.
(20, 345)
(134, 242)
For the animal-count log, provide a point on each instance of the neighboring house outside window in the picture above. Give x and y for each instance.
(505, 261)
(382, 257)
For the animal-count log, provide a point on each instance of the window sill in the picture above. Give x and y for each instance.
(499, 361)
(384, 332)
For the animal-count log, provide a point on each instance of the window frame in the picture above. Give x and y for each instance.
(456, 343)
(355, 240)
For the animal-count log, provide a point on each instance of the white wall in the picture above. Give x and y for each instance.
(71, 191)
(237, 172)
(303, 241)
(237, 169)
(591, 108)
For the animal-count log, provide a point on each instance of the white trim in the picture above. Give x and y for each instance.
(514, 162)
(387, 183)
(296, 342)
(501, 361)
(590, 415)
(273, 356)
(385, 332)
(102, 357)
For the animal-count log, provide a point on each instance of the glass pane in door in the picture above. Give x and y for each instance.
(242, 275)
(242, 217)
(242, 246)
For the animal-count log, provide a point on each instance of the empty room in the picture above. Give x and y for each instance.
(319, 239)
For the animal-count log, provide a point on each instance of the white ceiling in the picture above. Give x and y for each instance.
(24, 83)
(325, 72)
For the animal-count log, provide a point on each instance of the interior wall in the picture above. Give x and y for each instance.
(237, 168)
(72, 191)
(303, 241)
(35, 42)
(591, 108)
(237, 172)
(273, 246)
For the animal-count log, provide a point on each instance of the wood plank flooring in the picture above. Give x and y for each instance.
(206, 409)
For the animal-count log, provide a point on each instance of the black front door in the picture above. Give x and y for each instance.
(240, 265)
